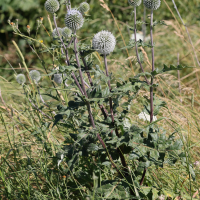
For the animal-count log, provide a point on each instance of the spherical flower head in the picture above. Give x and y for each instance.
(35, 75)
(58, 78)
(74, 19)
(66, 32)
(84, 7)
(104, 42)
(135, 3)
(152, 4)
(21, 79)
(52, 6)
(55, 34)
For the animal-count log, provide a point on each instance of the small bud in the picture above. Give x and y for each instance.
(66, 32)
(84, 7)
(28, 29)
(74, 20)
(55, 33)
(9, 21)
(17, 23)
(21, 79)
(58, 78)
(104, 42)
(35, 75)
(52, 6)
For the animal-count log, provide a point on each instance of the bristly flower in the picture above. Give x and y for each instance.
(152, 4)
(58, 78)
(104, 42)
(135, 3)
(55, 34)
(74, 20)
(66, 32)
(35, 75)
(84, 7)
(21, 79)
(52, 6)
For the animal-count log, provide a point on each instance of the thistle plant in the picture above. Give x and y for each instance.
(152, 4)
(94, 115)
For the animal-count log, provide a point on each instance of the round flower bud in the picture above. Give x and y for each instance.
(84, 7)
(35, 75)
(21, 79)
(66, 32)
(152, 4)
(74, 19)
(104, 42)
(135, 3)
(58, 78)
(55, 34)
(52, 6)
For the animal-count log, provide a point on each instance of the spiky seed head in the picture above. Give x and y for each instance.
(58, 78)
(104, 42)
(84, 7)
(35, 75)
(74, 19)
(55, 34)
(66, 32)
(152, 4)
(52, 6)
(21, 79)
(135, 3)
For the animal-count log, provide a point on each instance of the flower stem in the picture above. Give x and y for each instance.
(136, 48)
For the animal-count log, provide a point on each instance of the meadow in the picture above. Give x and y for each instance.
(80, 119)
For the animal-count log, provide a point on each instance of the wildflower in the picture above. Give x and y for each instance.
(152, 4)
(12, 24)
(74, 20)
(35, 75)
(134, 3)
(104, 42)
(41, 19)
(28, 27)
(146, 117)
(21, 79)
(52, 6)
(41, 41)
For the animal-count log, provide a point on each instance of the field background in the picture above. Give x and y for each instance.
(182, 97)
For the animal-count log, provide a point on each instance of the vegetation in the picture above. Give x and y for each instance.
(94, 117)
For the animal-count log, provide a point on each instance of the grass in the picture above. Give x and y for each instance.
(27, 170)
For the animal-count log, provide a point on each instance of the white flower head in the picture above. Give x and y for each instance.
(152, 4)
(104, 42)
(52, 6)
(74, 19)
(146, 117)
(135, 3)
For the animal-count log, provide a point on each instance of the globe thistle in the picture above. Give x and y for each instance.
(58, 78)
(66, 32)
(104, 42)
(146, 117)
(84, 7)
(152, 4)
(74, 19)
(52, 6)
(35, 75)
(55, 34)
(135, 3)
(21, 79)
